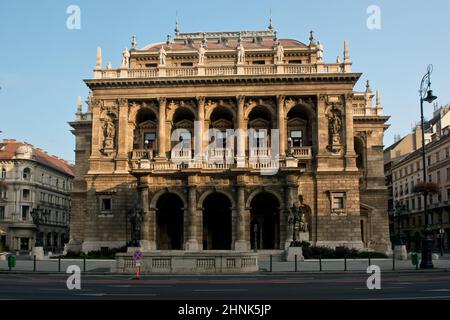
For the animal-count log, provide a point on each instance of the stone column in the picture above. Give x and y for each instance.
(122, 143)
(242, 132)
(148, 230)
(192, 243)
(282, 125)
(350, 155)
(162, 129)
(241, 244)
(199, 129)
(322, 133)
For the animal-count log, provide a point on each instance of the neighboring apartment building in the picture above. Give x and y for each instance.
(30, 179)
(405, 171)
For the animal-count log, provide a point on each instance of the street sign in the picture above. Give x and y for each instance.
(137, 256)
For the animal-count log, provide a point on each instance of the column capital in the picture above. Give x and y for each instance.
(240, 99)
(162, 100)
(201, 100)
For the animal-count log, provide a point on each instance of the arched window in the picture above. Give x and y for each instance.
(3, 173)
(26, 174)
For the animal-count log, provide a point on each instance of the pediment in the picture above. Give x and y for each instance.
(259, 123)
(184, 124)
(297, 122)
(149, 124)
(222, 124)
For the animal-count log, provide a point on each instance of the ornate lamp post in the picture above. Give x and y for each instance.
(399, 208)
(296, 211)
(135, 218)
(36, 216)
(426, 94)
(441, 239)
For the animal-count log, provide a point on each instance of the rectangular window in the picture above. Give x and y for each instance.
(295, 61)
(297, 138)
(106, 204)
(429, 178)
(338, 202)
(3, 173)
(429, 160)
(413, 204)
(419, 202)
(448, 195)
(187, 64)
(25, 212)
(151, 65)
(437, 156)
(2, 213)
(26, 194)
(438, 176)
(259, 62)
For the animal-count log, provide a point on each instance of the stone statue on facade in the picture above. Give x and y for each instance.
(201, 55)
(162, 56)
(334, 129)
(319, 51)
(125, 58)
(303, 223)
(279, 53)
(109, 133)
(241, 54)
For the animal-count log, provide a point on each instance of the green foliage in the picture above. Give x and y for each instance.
(95, 254)
(313, 252)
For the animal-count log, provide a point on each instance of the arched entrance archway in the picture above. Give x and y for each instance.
(265, 221)
(217, 222)
(169, 222)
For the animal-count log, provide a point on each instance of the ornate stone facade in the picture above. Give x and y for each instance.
(137, 147)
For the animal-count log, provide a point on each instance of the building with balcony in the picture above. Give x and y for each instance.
(214, 136)
(407, 172)
(31, 179)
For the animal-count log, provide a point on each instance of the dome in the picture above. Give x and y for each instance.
(24, 152)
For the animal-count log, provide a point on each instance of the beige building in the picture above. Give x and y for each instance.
(298, 131)
(406, 173)
(31, 179)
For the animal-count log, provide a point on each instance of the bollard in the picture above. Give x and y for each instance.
(84, 264)
(59, 264)
(393, 262)
(270, 263)
(345, 263)
(34, 263)
(295, 263)
(320, 263)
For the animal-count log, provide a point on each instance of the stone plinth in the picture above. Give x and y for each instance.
(400, 252)
(291, 252)
(38, 252)
(216, 261)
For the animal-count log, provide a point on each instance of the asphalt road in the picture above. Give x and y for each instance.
(396, 286)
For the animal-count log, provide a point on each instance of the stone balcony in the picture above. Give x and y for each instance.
(221, 159)
(212, 71)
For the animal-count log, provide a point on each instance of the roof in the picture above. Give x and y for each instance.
(417, 152)
(11, 149)
(231, 44)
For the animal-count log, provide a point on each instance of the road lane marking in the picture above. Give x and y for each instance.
(219, 290)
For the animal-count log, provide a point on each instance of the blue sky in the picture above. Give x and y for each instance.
(42, 63)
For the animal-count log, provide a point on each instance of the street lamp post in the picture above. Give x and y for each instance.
(441, 240)
(426, 94)
(398, 209)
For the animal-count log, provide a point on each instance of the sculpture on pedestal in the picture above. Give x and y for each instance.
(280, 53)
(334, 129)
(201, 55)
(162, 56)
(125, 58)
(109, 133)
